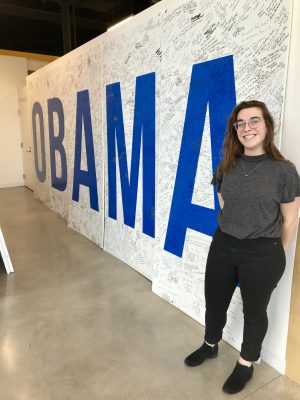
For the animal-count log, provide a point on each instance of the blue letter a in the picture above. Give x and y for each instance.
(212, 83)
(143, 131)
(81, 177)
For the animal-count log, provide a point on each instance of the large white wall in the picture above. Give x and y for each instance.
(13, 71)
(174, 40)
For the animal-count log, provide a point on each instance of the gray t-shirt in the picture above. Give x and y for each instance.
(252, 203)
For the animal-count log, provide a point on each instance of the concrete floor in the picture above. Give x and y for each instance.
(76, 323)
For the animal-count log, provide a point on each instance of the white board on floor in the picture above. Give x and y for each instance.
(5, 255)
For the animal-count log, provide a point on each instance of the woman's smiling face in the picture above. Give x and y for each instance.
(251, 130)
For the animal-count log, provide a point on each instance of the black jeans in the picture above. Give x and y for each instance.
(257, 265)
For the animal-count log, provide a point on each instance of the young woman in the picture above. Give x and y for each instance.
(259, 193)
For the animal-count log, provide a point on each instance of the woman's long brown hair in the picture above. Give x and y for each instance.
(232, 147)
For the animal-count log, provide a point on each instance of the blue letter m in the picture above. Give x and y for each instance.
(143, 134)
(212, 84)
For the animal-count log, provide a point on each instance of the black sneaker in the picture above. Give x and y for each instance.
(203, 353)
(238, 379)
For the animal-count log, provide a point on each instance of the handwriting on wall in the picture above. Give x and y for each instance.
(128, 130)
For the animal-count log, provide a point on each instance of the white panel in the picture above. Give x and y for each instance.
(130, 51)
(85, 73)
(256, 34)
(79, 70)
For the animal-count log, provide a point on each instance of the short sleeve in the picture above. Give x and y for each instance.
(217, 178)
(291, 185)
(219, 182)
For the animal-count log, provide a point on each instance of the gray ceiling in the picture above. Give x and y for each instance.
(57, 26)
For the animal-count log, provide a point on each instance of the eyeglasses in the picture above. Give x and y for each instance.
(253, 123)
